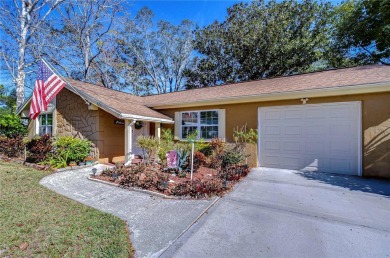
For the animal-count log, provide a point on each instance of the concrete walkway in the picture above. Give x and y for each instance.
(154, 222)
(284, 213)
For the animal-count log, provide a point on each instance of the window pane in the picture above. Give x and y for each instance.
(42, 119)
(42, 130)
(49, 129)
(209, 117)
(186, 130)
(49, 120)
(209, 132)
(189, 118)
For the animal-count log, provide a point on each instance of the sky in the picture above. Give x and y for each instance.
(202, 12)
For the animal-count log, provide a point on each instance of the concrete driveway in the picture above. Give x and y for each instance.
(283, 213)
(154, 222)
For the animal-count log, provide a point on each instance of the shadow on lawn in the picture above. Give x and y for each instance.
(353, 183)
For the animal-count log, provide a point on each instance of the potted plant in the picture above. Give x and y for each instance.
(72, 164)
(88, 160)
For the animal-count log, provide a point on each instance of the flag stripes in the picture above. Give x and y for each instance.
(47, 86)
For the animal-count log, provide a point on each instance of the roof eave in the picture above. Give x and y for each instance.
(324, 92)
(146, 118)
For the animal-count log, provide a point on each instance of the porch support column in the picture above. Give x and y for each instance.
(157, 130)
(128, 141)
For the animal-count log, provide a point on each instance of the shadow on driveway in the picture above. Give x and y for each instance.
(353, 183)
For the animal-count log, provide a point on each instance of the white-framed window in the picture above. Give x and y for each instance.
(45, 125)
(207, 123)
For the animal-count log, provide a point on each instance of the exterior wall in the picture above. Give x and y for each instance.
(375, 125)
(111, 139)
(73, 118)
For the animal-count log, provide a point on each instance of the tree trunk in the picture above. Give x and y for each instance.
(21, 76)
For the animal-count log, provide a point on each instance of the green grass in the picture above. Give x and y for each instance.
(53, 225)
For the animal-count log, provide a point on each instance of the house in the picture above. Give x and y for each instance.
(334, 121)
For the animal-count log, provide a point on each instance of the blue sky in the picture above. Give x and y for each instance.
(202, 12)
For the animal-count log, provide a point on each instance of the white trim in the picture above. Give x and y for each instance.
(198, 124)
(360, 140)
(360, 131)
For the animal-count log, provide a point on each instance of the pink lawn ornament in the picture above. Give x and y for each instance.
(172, 159)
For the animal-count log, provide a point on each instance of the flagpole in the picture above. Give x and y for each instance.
(54, 70)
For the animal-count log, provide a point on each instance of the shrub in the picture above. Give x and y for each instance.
(199, 159)
(77, 149)
(232, 157)
(166, 144)
(11, 126)
(149, 145)
(12, 147)
(199, 189)
(68, 149)
(39, 148)
(206, 150)
(233, 173)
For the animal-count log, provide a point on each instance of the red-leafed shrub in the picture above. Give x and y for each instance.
(199, 160)
(233, 173)
(12, 147)
(199, 188)
(39, 148)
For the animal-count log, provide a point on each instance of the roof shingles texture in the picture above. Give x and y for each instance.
(317, 80)
(142, 106)
(122, 102)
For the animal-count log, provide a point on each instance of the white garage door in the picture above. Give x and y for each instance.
(314, 137)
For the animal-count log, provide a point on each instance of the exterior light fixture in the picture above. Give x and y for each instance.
(304, 100)
(94, 170)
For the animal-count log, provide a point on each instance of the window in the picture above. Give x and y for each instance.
(205, 122)
(45, 124)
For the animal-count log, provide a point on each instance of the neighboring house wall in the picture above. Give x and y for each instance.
(73, 118)
(111, 139)
(375, 127)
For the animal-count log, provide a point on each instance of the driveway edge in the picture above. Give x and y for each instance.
(159, 254)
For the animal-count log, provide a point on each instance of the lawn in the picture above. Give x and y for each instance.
(35, 221)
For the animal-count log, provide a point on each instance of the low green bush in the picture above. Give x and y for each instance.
(166, 144)
(68, 149)
(149, 145)
(11, 126)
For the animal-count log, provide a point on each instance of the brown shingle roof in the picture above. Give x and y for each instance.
(122, 102)
(310, 81)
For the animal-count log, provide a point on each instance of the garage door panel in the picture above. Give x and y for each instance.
(272, 145)
(293, 114)
(272, 130)
(315, 130)
(292, 131)
(315, 113)
(294, 146)
(323, 137)
(341, 147)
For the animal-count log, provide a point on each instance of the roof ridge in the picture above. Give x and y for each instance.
(106, 88)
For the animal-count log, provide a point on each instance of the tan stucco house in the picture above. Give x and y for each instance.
(334, 121)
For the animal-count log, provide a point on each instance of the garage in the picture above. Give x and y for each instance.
(311, 137)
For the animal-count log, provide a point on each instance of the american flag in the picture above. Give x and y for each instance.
(46, 87)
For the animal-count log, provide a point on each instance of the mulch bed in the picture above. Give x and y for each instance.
(205, 183)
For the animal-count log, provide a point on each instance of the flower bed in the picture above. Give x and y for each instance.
(206, 182)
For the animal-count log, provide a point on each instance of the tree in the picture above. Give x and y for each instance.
(7, 100)
(157, 56)
(21, 24)
(259, 40)
(362, 32)
(82, 37)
